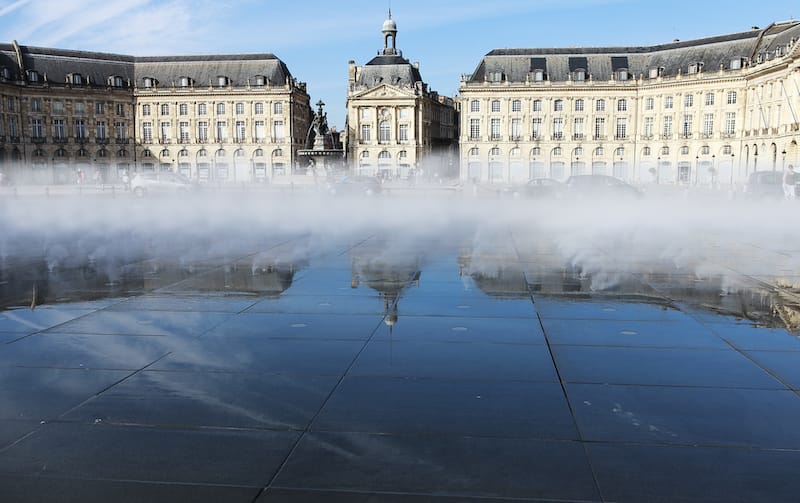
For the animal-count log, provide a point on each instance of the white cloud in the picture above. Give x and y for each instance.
(12, 7)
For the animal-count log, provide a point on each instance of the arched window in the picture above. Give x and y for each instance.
(474, 152)
(259, 152)
(220, 152)
(165, 153)
(619, 152)
(536, 151)
(277, 153)
(183, 153)
(599, 151)
(474, 106)
(202, 153)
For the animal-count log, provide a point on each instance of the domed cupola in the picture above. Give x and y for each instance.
(389, 32)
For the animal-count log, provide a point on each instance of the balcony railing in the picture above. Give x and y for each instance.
(558, 136)
(578, 136)
(122, 141)
(202, 140)
(101, 140)
(164, 141)
(600, 137)
(38, 139)
(647, 137)
(621, 137)
(60, 139)
(666, 136)
(474, 138)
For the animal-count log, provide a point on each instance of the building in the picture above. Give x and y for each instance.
(68, 115)
(396, 125)
(700, 112)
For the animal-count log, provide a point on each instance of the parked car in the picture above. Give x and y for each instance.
(764, 184)
(537, 188)
(355, 185)
(600, 186)
(160, 182)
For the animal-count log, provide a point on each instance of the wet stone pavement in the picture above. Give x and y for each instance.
(362, 371)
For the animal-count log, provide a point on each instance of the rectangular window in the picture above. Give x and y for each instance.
(475, 106)
(166, 132)
(537, 105)
(536, 128)
(79, 108)
(58, 107)
(402, 133)
(202, 109)
(599, 128)
(202, 131)
(495, 106)
(365, 133)
(164, 109)
(240, 109)
(120, 109)
(122, 131)
(648, 127)
(240, 133)
(516, 129)
(183, 129)
(36, 105)
(730, 123)
(649, 104)
(688, 100)
(558, 128)
(578, 128)
(12, 127)
(474, 129)
(261, 131)
(59, 129)
(731, 97)
(579, 105)
(709, 99)
(222, 131)
(10, 104)
(102, 131)
(37, 130)
(100, 108)
(277, 131)
(183, 109)
(516, 106)
(708, 125)
(220, 108)
(494, 130)
(622, 105)
(667, 131)
(600, 106)
(686, 127)
(80, 129)
(558, 106)
(147, 132)
(258, 109)
(277, 108)
(668, 102)
(404, 113)
(622, 129)
(145, 110)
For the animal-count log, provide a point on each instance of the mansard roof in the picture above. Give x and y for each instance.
(204, 70)
(601, 63)
(57, 65)
(389, 69)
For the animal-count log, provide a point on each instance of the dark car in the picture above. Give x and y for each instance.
(600, 186)
(356, 186)
(764, 184)
(539, 188)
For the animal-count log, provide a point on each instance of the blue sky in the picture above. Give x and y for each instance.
(316, 38)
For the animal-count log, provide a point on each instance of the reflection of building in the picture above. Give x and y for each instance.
(706, 111)
(389, 278)
(394, 123)
(230, 118)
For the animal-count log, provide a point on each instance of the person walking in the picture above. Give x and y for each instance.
(789, 180)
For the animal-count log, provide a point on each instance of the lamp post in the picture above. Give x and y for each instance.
(783, 160)
(713, 169)
(755, 161)
(658, 170)
(732, 165)
(696, 168)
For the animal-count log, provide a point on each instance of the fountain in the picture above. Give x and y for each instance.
(323, 152)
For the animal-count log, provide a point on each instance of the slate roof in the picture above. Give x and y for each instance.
(57, 64)
(389, 69)
(602, 62)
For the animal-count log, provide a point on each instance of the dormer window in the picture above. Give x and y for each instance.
(622, 74)
(579, 75)
(538, 75)
(33, 76)
(495, 77)
(695, 68)
(5, 73)
(76, 79)
(149, 82)
(185, 82)
(261, 80)
(116, 81)
(222, 81)
(655, 73)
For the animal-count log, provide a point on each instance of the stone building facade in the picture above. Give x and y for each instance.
(701, 112)
(396, 126)
(68, 115)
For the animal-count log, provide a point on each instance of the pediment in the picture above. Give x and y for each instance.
(385, 91)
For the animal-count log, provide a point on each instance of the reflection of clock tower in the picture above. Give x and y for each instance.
(393, 120)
